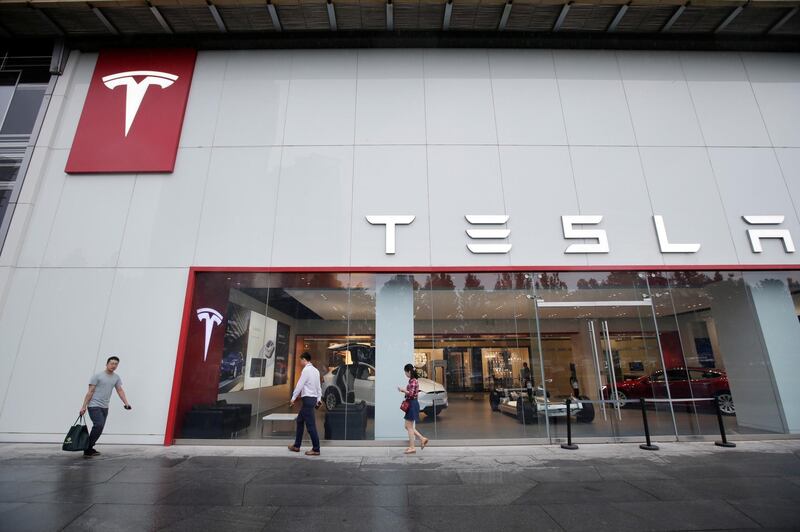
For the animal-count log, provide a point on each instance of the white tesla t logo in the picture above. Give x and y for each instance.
(135, 91)
(212, 318)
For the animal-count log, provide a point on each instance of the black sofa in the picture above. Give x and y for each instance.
(346, 422)
(218, 420)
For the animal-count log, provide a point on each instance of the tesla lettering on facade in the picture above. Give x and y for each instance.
(599, 237)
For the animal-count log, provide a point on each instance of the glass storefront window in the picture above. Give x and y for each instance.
(498, 353)
(251, 330)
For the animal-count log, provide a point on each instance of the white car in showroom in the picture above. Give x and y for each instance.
(355, 382)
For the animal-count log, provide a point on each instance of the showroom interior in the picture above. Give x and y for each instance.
(498, 353)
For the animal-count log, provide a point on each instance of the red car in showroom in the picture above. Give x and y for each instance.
(698, 383)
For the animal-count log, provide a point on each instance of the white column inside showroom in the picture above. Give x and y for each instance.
(780, 329)
(394, 348)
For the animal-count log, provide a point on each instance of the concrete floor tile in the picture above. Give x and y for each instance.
(721, 488)
(496, 477)
(6, 506)
(505, 518)
(411, 476)
(632, 471)
(596, 517)
(582, 473)
(209, 493)
(109, 493)
(318, 475)
(22, 491)
(367, 519)
(465, 495)
(131, 518)
(209, 462)
(778, 513)
(687, 515)
(82, 471)
(289, 494)
(370, 496)
(573, 492)
(214, 519)
(40, 517)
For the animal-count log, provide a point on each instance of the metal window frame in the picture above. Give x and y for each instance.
(5, 223)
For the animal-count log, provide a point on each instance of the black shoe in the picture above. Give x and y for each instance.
(90, 452)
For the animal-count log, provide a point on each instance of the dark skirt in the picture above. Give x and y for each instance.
(413, 411)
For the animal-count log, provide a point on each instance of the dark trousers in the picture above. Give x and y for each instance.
(306, 416)
(98, 416)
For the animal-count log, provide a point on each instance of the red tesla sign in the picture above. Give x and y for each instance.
(133, 113)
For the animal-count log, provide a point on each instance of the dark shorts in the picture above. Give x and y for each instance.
(413, 411)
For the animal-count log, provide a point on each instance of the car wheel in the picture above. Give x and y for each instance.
(620, 397)
(331, 399)
(725, 402)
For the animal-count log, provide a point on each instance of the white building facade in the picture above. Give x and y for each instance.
(626, 219)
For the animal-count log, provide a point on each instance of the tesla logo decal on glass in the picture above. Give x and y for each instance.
(212, 318)
(136, 91)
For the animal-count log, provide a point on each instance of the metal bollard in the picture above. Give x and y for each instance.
(646, 446)
(569, 445)
(724, 442)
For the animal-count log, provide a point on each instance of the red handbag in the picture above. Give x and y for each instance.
(405, 405)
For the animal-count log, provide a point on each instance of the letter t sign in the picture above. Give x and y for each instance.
(390, 221)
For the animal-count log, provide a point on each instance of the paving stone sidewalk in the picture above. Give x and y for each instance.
(683, 486)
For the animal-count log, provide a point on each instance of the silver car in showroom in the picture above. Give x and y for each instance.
(355, 382)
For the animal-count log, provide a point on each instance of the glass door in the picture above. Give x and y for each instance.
(598, 344)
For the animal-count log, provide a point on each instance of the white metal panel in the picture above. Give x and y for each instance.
(526, 99)
(539, 189)
(140, 328)
(390, 105)
(161, 228)
(593, 99)
(458, 97)
(46, 200)
(89, 223)
(70, 113)
(238, 220)
(750, 183)
(723, 99)
(252, 110)
(322, 98)
(659, 100)
(390, 180)
(789, 161)
(476, 190)
(682, 189)
(202, 108)
(312, 219)
(59, 347)
(775, 79)
(16, 232)
(610, 183)
(13, 316)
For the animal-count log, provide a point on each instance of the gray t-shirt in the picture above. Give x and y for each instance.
(104, 385)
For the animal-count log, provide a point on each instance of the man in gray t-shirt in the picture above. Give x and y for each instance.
(96, 401)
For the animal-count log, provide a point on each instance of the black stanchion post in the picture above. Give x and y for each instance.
(724, 442)
(569, 445)
(646, 446)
